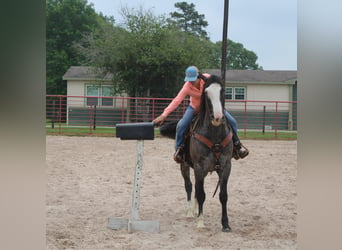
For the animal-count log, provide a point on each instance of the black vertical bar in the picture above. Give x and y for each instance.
(94, 117)
(53, 113)
(224, 41)
(264, 120)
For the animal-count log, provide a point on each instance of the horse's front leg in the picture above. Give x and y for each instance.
(185, 169)
(223, 199)
(200, 196)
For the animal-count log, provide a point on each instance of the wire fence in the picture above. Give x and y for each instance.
(89, 115)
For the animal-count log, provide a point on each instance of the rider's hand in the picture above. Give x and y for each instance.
(159, 120)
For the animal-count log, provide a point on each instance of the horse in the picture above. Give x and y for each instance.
(208, 148)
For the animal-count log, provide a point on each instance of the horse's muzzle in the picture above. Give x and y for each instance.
(216, 121)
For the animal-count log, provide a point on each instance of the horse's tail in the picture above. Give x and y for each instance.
(169, 129)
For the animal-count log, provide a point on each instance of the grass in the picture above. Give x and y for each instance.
(270, 135)
(111, 132)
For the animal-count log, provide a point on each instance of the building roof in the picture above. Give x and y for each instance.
(232, 76)
(85, 73)
(257, 76)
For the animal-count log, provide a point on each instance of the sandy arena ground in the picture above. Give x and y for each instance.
(90, 179)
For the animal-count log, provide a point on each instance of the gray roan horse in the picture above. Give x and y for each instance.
(208, 148)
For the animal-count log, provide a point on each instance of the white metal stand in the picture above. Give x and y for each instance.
(134, 223)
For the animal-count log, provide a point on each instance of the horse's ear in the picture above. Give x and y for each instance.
(215, 78)
(204, 78)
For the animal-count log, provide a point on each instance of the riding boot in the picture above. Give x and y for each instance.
(179, 154)
(239, 150)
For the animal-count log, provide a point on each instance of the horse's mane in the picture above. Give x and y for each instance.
(208, 81)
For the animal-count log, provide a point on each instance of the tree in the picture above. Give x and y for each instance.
(189, 20)
(147, 55)
(238, 57)
(66, 23)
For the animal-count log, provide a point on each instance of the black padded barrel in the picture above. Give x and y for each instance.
(135, 131)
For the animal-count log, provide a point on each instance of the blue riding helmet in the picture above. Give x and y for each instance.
(191, 74)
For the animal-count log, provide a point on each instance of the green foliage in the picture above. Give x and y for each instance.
(147, 55)
(238, 57)
(189, 20)
(151, 57)
(66, 23)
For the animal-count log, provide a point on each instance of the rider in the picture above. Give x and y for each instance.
(193, 87)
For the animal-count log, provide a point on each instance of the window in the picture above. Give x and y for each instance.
(235, 93)
(92, 91)
(95, 92)
(107, 91)
(239, 93)
(229, 93)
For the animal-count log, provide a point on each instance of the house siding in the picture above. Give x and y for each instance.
(268, 92)
(265, 86)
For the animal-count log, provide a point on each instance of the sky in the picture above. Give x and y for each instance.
(266, 27)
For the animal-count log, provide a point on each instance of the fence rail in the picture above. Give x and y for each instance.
(99, 115)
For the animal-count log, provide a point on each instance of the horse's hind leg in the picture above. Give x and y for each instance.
(185, 169)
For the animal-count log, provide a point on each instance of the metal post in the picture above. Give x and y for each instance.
(90, 118)
(54, 114)
(224, 41)
(94, 118)
(137, 181)
(276, 122)
(134, 222)
(264, 120)
(60, 115)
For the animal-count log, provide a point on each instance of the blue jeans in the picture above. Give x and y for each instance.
(184, 124)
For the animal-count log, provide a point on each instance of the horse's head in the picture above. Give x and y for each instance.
(213, 100)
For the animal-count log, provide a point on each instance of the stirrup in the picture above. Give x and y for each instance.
(239, 154)
(243, 154)
(178, 156)
(235, 154)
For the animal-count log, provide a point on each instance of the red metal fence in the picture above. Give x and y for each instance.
(87, 114)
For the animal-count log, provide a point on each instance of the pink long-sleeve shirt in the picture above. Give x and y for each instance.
(187, 90)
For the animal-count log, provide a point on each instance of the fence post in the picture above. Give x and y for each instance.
(264, 120)
(276, 122)
(60, 115)
(90, 119)
(53, 114)
(290, 121)
(153, 102)
(94, 118)
(245, 120)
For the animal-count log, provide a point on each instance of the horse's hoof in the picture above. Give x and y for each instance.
(200, 221)
(226, 229)
(189, 214)
(200, 225)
